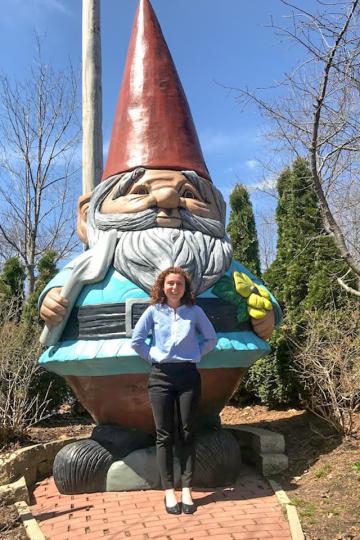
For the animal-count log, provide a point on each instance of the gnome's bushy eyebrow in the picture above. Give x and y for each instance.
(195, 180)
(198, 182)
(127, 180)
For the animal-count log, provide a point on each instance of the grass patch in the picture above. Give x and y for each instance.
(305, 509)
(334, 511)
(323, 471)
(356, 466)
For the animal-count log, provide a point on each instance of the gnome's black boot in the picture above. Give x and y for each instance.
(82, 466)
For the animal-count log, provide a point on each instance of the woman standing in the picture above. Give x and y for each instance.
(174, 379)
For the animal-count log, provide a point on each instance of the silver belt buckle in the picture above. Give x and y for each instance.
(129, 305)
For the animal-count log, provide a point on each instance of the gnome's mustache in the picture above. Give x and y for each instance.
(147, 219)
(137, 221)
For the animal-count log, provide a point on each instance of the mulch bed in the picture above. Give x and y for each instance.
(10, 525)
(323, 479)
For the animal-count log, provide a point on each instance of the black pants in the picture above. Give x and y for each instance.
(173, 386)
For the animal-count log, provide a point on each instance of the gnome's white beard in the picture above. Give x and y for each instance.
(142, 255)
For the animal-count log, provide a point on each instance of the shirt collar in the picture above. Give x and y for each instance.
(166, 307)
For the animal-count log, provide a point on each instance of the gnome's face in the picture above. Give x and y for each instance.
(167, 192)
(164, 218)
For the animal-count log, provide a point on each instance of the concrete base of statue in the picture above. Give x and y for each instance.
(116, 459)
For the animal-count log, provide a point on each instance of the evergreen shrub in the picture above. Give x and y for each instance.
(302, 277)
(271, 379)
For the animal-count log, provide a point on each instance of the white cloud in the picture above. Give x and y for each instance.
(56, 5)
(234, 168)
(266, 184)
(252, 163)
(30, 11)
(106, 145)
(215, 142)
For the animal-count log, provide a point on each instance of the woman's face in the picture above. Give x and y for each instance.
(174, 288)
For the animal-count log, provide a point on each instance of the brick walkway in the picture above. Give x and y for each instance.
(246, 511)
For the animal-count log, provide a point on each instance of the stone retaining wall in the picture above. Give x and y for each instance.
(20, 470)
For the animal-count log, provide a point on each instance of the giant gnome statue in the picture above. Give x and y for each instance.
(156, 207)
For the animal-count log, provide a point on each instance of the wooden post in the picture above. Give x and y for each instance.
(91, 96)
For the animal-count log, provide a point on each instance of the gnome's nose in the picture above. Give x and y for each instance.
(166, 198)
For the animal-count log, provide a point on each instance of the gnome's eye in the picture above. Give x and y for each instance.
(188, 194)
(140, 190)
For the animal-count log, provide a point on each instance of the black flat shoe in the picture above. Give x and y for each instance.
(174, 510)
(188, 508)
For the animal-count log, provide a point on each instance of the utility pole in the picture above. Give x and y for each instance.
(91, 96)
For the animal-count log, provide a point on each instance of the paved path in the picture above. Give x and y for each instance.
(246, 511)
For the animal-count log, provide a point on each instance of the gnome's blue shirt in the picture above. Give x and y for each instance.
(107, 355)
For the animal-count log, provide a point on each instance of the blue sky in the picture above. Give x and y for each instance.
(215, 44)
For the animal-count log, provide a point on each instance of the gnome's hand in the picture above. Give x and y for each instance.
(54, 307)
(258, 304)
(264, 327)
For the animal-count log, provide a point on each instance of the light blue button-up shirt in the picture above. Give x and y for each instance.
(184, 334)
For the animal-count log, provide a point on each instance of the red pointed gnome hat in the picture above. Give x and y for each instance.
(153, 126)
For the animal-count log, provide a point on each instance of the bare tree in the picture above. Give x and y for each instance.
(39, 146)
(20, 407)
(328, 368)
(317, 114)
(266, 227)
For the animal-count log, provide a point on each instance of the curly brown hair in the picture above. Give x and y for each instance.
(157, 295)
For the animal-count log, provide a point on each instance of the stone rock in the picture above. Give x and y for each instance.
(16, 491)
(261, 440)
(136, 471)
(21, 463)
(272, 464)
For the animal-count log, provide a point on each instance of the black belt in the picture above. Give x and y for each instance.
(107, 321)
